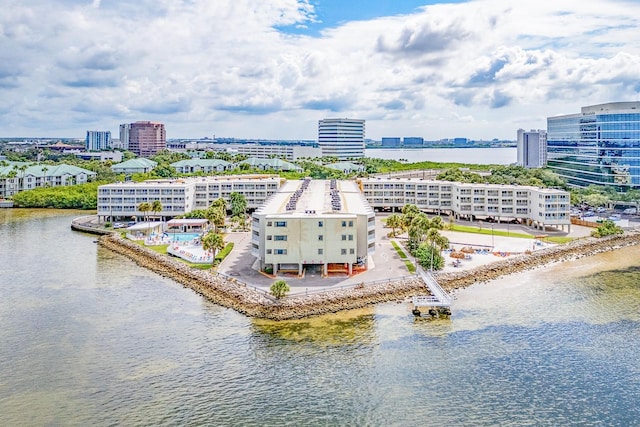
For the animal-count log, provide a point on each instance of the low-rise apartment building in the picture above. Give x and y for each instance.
(314, 224)
(538, 207)
(181, 196)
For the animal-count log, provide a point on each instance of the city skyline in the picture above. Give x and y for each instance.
(270, 70)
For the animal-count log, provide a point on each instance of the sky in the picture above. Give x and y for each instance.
(271, 69)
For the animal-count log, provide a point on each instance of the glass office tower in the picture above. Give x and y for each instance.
(601, 145)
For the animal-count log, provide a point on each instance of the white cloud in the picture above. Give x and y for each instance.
(479, 69)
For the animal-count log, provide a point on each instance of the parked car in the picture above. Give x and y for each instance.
(614, 217)
(118, 225)
(600, 209)
(630, 211)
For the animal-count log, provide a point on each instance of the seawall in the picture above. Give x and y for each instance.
(254, 303)
(251, 302)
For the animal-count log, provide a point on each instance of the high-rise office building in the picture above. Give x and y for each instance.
(145, 138)
(532, 148)
(124, 135)
(600, 145)
(341, 138)
(97, 140)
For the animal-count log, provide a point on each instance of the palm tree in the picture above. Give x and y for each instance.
(279, 288)
(394, 221)
(144, 207)
(408, 213)
(238, 204)
(44, 172)
(213, 241)
(216, 213)
(155, 207)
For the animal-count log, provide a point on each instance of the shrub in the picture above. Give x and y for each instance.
(223, 253)
(279, 288)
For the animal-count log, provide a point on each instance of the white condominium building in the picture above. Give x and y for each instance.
(341, 138)
(314, 224)
(181, 196)
(532, 148)
(539, 207)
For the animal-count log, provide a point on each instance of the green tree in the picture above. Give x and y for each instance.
(607, 228)
(394, 221)
(596, 199)
(214, 242)
(408, 213)
(238, 204)
(144, 208)
(216, 213)
(156, 206)
(279, 289)
(429, 257)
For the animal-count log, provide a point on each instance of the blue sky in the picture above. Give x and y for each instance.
(332, 13)
(479, 69)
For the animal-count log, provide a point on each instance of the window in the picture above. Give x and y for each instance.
(268, 251)
(343, 251)
(280, 238)
(352, 251)
(281, 223)
(320, 237)
(350, 223)
(320, 223)
(320, 251)
(344, 237)
(280, 251)
(268, 237)
(269, 223)
(344, 223)
(350, 236)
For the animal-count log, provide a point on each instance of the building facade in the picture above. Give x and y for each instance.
(321, 224)
(600, 145)
(97, 140)
(144, 138)
(341, 138)
(180, 196)
(124, 136)
(538, 207)
(19, 176)
(532, 148)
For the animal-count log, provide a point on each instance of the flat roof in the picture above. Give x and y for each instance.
(316, 198)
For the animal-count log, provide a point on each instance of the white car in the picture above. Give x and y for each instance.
(630, 211)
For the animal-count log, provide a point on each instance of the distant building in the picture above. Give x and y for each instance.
(97, 140)
(413, 141)
(144, 138)
(19, 176)
(269, 164)
(124, 136)
(341, 138)
(390, 142)
(532, 148)
(346, 167)
(201, 165)
(103, 156)
(600, 145)
(139, 165)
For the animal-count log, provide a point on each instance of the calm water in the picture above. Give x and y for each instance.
(88, 338)
(481, 156)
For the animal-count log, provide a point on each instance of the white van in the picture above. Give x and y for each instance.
(630, 211)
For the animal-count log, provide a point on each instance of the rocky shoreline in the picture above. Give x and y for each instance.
(573, 250)
(255, 303)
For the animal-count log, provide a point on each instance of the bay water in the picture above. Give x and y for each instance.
(87, 337)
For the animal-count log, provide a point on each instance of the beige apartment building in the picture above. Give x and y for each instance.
(537, 207)
(181, 196)
(321, 225)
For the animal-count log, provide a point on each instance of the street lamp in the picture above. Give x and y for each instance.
(492, 243)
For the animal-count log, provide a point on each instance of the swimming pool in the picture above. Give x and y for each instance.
(183, 237)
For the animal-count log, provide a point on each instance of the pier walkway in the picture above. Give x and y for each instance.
(438, 298)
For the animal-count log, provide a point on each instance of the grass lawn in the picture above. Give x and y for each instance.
(401, 254)
(162, 249)
(477, 230)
